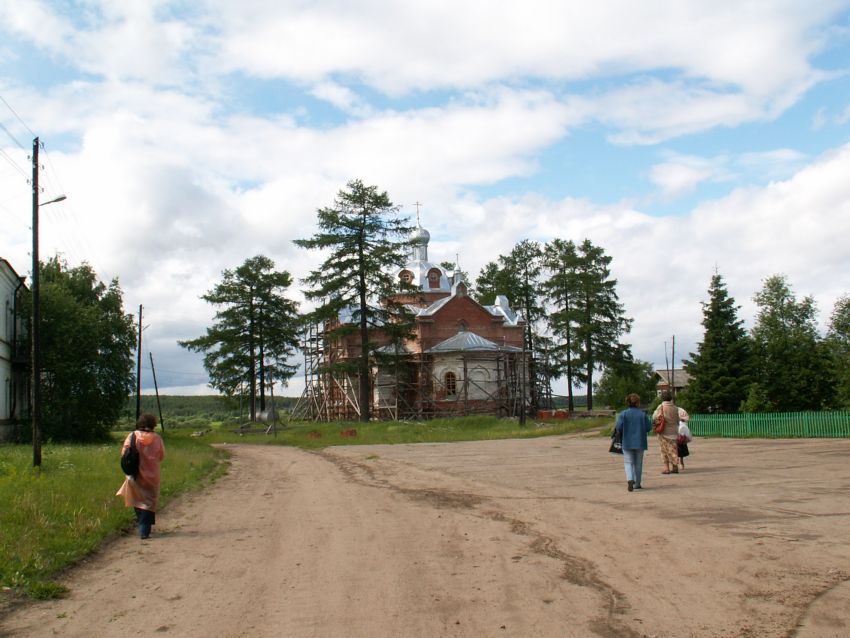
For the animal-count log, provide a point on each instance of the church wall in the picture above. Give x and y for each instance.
(445, 324)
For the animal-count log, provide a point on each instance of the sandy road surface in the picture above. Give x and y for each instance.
(501, 538)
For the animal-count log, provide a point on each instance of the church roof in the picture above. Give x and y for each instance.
(469, 341)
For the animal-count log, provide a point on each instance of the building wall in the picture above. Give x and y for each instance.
(447, 322)
(13, 381)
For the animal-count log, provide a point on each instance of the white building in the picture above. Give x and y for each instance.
(14, 357)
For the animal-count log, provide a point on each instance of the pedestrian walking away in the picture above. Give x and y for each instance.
(141, 492)
(667, 437)
(633, 425)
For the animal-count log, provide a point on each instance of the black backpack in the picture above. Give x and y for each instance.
(130, 458)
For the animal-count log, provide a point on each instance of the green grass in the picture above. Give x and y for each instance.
(312, 435)
(54, 516)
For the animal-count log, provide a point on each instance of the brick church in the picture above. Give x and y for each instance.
(464, 358)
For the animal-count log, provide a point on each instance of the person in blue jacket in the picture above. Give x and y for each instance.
(633, 424)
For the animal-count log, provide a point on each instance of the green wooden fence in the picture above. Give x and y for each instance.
(773, 425)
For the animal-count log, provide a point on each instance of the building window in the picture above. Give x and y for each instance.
(434, 278)
(406, 276)
(451, 384)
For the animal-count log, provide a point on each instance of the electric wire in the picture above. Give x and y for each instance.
(14, 164)
(76, 242)
(12, 137)
(18, 117)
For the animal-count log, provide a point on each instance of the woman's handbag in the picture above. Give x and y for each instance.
(661, 423)
(616, 443)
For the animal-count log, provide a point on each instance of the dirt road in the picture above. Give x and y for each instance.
(501, 538)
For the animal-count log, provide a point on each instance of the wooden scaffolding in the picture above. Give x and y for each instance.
(411, 389)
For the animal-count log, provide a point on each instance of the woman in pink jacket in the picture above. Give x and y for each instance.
(141, 492)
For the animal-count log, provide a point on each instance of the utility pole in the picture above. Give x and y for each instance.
(156, 389)
(35, 328)
(139, 369)
(673, 369)
(35, 338)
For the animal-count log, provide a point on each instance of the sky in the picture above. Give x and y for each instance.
(684, 138)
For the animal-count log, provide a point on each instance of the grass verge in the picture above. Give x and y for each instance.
(53, 516)
(312, 435)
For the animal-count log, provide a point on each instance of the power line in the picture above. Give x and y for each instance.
(12, 137)
(14, 164)
(24, 124)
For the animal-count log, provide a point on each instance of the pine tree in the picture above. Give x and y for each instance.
(517, 275)
(255, 330)
(366, 239)
(493, 280)
(560, 258)
(600, 318)
(720, 369)
(525, 262)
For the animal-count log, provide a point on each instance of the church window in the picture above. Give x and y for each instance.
(451, 384)
(434, 278)
(406, 276)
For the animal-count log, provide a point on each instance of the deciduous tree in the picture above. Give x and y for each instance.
(624, 377)
(87, 343)
(838, 342)
(791, 366)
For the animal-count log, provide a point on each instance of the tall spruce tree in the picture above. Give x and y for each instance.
(600, 316)
(561, 261)
(720, 369)
(792, 367)
(255, 331)
(365, 239)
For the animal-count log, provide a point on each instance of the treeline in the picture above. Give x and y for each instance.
(212, 407)
(574, 319)
(781, 365)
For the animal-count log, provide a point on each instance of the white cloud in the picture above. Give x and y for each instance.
(341, 97)
(171, 178)
(682, 177)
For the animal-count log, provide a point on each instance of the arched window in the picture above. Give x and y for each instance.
(450, 380)
(434, 278)
(406, 276)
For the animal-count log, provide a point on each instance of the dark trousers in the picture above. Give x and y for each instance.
(146, 518)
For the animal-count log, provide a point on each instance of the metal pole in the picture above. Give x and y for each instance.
(36, 318)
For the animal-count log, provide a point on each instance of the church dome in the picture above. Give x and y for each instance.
(420, 235)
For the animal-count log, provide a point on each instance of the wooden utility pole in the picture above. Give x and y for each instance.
(139, 369)
(35, 338)
(156, 389)
(673, 371)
